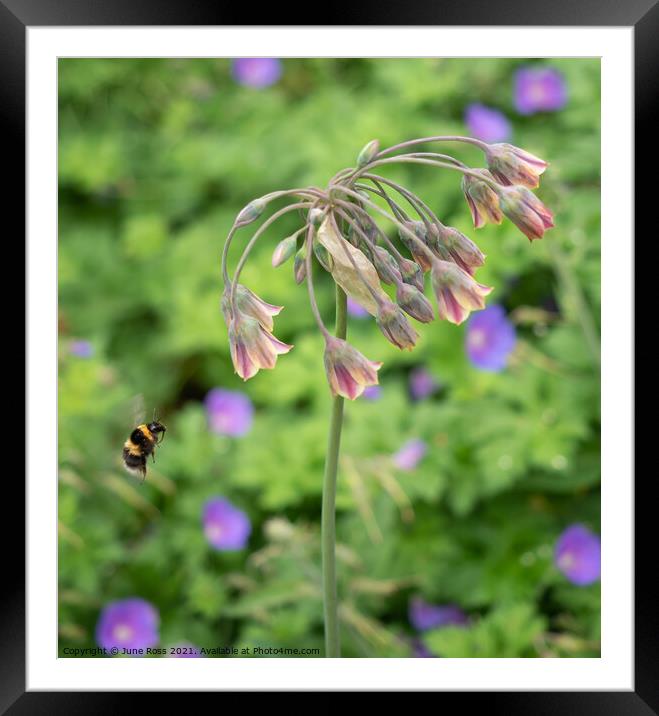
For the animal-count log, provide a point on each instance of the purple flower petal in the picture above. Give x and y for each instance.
(422, 383)
(226, 527)
(372, 392)
(539, 89)
(229, 412)
(81, 349)
(487, 124)
(577, 555)
(256, 72)
(356, 310)
(128, 624)
(424, 616)
(409, 456)
(490, 338)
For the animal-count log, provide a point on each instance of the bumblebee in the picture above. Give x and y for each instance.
(142, 443)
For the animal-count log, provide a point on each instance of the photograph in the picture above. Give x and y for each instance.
(328, 359)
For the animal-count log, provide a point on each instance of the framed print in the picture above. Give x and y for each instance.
(421, 467)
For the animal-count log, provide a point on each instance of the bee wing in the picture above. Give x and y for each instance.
(138, 409)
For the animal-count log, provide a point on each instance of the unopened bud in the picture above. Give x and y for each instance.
(414, 303)
(395, 326)
(368, 153)
(284, 250)
(300, 264)
(386, 266)
(323, 255)
(316, 216)
(251, 212)
(411, 273)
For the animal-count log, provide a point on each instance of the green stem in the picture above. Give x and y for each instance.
(328, 518)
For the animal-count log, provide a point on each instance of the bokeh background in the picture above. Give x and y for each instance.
(468, 505)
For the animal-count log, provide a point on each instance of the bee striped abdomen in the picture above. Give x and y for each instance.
(140, 445)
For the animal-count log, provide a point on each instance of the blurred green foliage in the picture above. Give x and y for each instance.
(155, 159)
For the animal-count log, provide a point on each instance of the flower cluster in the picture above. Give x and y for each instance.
(381, 273)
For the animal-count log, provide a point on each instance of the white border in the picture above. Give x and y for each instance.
(614, 670)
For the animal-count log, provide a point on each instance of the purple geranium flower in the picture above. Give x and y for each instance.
(421, 651)
(422, 383)
(256, 71)
(128, 624)
(356, 310)
(81, 349)
(490, 338)
(226, 527)
(487, 124)
(229, 412)
(187, 651)
(424, 616)
(409, 456)
(372, 392)
(539, 89)
(577, 555)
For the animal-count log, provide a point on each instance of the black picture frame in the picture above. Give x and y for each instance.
(15, 18)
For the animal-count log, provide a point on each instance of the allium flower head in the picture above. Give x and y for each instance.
(487, 124)
(457, 292)
(348, 371)
(229, 412)
(226, 527)
(424, 616)
(395, 327)
(252, 346)
(490, 338)
(422, 383)
(577, 555)
(511, 165)
(539, 89)
(482, 199)
(128, 624)
(410, 454)
(526, 211)
(256, 72)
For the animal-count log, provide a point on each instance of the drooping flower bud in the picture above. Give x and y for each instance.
(482, 199)
(456, 291)
(368, 153)
(460, 249)
(300, 264)
(284, 250)
(251, 212)
(526, 211)
(348, 371)
(386, 266)
(414, 303)
(512, 165)
(418, 228)
(316, 216)
(252, 346)
(395, 326)
(323, 255)
(251, 305)
(411, 273)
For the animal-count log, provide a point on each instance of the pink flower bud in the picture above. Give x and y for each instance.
(418, 228)
(300, 264)
(395, 326)
(411, 273)
(456, 291)
(414, 303)
(348, 371)
(482, 199)
(385, 264)
(251, 305)
(460, 249)
(252, 347)
(512, 165)
(284, 250)
(526, 211)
